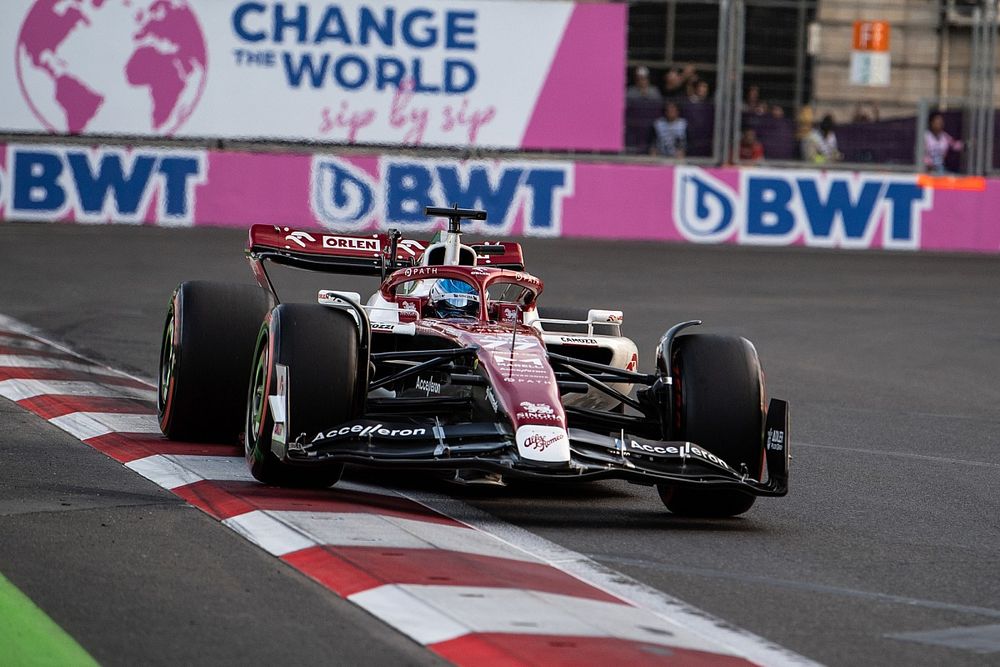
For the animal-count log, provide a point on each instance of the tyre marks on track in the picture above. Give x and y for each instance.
(465, 594)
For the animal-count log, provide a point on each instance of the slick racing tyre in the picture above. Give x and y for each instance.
(718, 404)
(206, 349)
(318, 348)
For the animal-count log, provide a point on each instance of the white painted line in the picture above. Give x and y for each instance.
(880, 453)
(270, 533)
(982, 639)
(24, 361)
(716, 634)
(12, 325)
(362, 529)
(171, 470)
(17, 390)
(86, 425)
(8, 323)
(432, 614)
(24, 343)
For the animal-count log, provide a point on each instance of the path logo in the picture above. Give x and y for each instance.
(151, 72)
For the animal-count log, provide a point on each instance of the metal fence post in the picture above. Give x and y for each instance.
(920, 144)
(729, 86)
(989, 70)
(723, 88)
(737, 58)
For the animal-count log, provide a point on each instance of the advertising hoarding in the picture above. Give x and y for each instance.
(546, 198)
(490, 73)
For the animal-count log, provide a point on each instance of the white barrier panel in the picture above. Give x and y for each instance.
(403, 72)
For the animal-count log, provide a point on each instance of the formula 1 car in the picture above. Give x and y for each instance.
(452, 366)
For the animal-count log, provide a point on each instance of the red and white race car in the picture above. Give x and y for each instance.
(451, 366)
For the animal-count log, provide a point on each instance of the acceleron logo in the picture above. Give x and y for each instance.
(820, 209)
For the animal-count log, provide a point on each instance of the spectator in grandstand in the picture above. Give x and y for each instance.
(698, 91)
(751, 150)
(669, 133)
(675, 81)
(777, 111)
(752, 102)
(863, 115)
(820, 145)
(937, 144)
(642, 89)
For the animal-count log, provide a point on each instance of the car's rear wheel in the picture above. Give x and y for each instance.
(207, 345)
(318, 348)
(718, 389)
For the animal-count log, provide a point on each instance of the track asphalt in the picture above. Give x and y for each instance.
(889, 361)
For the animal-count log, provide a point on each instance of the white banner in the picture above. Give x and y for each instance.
(442, 72)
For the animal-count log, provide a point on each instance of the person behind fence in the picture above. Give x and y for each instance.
(698, 91)
(751, 150)
(820, 145)
(642, 89)
(669, 133)
(752, 102)
(937, 144)
(675, 81)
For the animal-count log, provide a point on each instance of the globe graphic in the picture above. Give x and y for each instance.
(111, 66)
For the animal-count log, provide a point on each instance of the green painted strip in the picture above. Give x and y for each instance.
(30, 638)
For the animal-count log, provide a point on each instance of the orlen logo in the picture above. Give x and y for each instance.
(823, 209)
(152, 65)
(345, 197)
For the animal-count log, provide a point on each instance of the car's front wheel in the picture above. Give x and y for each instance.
(317, 351)
(718, 389)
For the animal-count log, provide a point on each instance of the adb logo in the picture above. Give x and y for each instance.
(822, 209)
(345, 197)
(125, 65)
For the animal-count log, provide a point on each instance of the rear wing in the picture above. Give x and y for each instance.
(366, 255)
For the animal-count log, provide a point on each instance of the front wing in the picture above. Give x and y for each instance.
(490, 447)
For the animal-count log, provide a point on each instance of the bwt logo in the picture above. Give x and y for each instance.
(348, 198)
(102, 185)
(831, 209)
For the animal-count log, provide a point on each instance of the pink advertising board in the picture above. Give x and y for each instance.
(505, 73)
(561, 198)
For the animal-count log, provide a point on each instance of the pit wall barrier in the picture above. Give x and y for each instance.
(561, 198)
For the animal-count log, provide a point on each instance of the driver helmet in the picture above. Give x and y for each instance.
(453, 298)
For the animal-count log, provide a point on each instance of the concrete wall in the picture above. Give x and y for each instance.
(927, 62)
